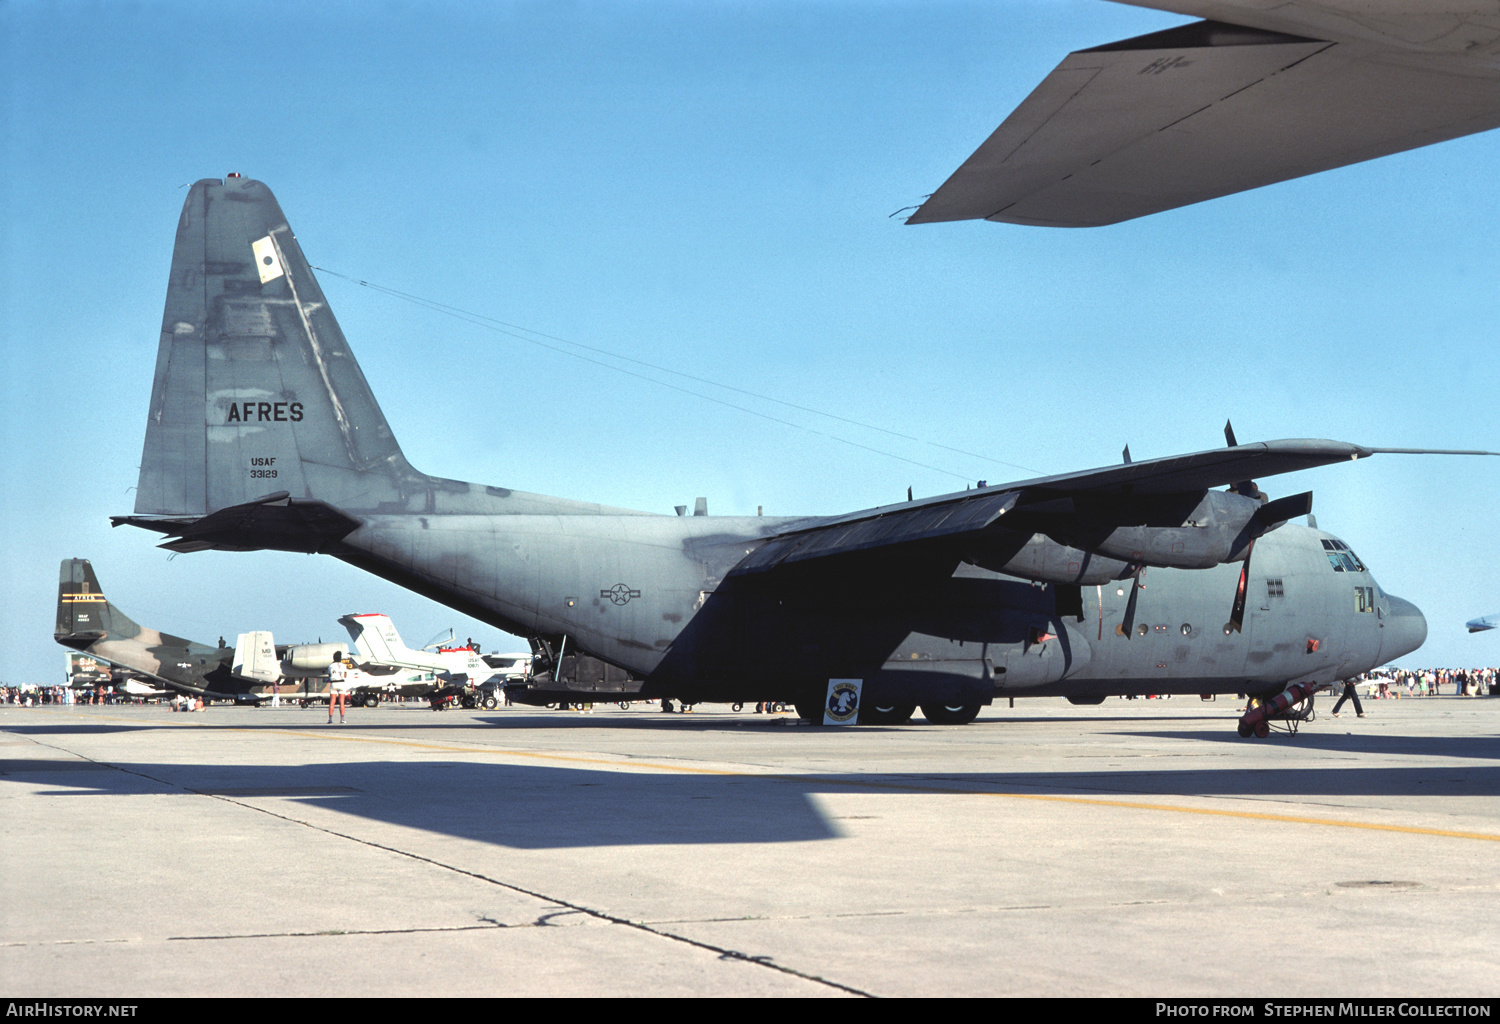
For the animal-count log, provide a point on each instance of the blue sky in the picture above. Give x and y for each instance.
(705, 187)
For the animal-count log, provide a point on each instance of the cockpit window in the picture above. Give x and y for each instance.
(1341, 557)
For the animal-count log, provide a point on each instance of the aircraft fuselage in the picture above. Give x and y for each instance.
(658, 595)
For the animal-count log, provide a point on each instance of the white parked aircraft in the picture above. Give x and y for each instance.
(303, 671)
(378, 646)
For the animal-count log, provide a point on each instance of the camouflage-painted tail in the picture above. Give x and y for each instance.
(83, 614)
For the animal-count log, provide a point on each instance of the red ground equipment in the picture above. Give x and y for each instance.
(1257, 721)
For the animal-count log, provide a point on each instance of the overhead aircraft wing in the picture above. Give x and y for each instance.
(970, 514)
(1207, 109)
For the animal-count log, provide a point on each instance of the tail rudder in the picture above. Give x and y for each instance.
(255, 657)
(375, 637)
(83, 614)
(256, 390)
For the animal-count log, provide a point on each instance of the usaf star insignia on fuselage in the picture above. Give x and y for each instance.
(945, 602)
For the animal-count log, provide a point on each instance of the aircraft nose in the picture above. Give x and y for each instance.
(1405, 629)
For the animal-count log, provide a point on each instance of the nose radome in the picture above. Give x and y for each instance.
(1405, 629)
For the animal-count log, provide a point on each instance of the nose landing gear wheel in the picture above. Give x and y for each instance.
(950, 714)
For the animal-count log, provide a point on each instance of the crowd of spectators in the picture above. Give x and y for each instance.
(1382, 683)
(1431, 682)
(33, 695)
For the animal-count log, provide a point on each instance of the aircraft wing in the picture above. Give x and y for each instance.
(969, 514)
(1210, 108)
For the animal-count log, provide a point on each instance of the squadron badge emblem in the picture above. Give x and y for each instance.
(843, 701)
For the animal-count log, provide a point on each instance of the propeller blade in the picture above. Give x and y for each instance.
(1126, 454)
(1229, 435)
(1128, 625)
(1282, 509)
(1237, 613)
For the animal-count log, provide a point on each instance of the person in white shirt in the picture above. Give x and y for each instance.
(338, 673)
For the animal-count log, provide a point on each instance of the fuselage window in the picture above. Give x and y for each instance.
(1364, 599)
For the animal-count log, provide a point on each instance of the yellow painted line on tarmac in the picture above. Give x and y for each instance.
(1291, 819)
(499, 751)
(1287, 819)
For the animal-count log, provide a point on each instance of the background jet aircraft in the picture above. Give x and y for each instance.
(258, 658)
(87, 622)
(87, 672)
(263, 434)
(1258, 93)
(1481, 624)
(377, 645)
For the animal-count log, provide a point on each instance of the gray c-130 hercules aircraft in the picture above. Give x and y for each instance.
(262, 433)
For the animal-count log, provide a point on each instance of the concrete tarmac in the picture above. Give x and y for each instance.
(1136, 848)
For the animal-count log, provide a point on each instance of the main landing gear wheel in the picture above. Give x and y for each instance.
(950, 714)
(887, 714)
(490, 703)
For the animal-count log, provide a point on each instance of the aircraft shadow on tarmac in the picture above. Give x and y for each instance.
(556, 807)
(74, 729)
(1485, 748)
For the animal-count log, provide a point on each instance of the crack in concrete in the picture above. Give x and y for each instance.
(335, 932)
(723, 953)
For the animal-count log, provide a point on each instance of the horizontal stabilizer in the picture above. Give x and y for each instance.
(274, 522)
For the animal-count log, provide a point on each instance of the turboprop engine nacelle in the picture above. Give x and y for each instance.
(1043, 559)
(1171, 532)
(313, 658)
(1090, 546)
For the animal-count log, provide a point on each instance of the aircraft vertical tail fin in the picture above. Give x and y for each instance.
(375, 637)
(83, 614)
(256, 390)
(255, 657)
